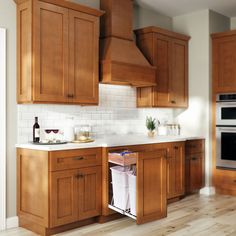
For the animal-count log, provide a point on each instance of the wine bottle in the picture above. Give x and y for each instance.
(36, 131)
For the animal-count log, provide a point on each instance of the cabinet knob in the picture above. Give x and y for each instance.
(79, 176)
(173, 102)
(70, 96)
(194, 159)
(78, 158)
(176, 147)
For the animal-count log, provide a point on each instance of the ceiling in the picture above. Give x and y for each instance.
(179, 7)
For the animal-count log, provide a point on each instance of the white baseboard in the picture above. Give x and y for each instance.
(208, 191)
(12, 222)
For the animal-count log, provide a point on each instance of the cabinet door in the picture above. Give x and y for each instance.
(51, 53)
(179, 74)
(162, 60)
(63, 201)
(176, 171)
(83, 59)
(194, 172)
(171, 173)
(224, 58)
(151, 186)
(89, 192)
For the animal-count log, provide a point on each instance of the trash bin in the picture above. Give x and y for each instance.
(120, 187)
(132, 193)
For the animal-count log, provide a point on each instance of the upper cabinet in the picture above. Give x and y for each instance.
(224, 61)
(168, 52)
(57, 52)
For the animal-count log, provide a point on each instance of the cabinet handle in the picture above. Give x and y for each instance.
(173, 102)
(70, 96)
(176, 147)
(79, 176)
(78, 158)
(235, 181)
(194, 159)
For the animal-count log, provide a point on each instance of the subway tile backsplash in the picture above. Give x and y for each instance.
(116, 114)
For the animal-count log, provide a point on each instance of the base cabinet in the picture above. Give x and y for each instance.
(175, 170)
(82, 198)
(151, 186)
(50, 200)
(195, 165)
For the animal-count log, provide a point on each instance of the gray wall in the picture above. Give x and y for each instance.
(8, 21)
(199, 25)
(217, 23)
(144, 17)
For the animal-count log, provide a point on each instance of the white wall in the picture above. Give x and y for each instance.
(196, 120)
(8, 21)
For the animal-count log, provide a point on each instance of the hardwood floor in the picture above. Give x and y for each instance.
(193, 216)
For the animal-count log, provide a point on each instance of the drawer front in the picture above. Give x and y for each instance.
(225, 180)
(73, 159)
(195, 146)
(194, 156)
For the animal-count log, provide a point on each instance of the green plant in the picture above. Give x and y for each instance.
(150, 123)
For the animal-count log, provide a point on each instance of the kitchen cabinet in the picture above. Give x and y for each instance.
(168, 51)
(58, 190)
(175, 170)
(82, 198)
(223, 61)
(57, 64)
(195, 165)
(150, 185)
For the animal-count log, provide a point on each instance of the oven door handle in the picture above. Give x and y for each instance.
(227, 129)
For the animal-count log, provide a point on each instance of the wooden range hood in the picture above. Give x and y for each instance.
(121, 62)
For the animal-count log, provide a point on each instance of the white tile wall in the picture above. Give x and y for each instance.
(116, 113)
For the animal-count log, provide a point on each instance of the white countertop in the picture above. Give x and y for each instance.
(109, 141)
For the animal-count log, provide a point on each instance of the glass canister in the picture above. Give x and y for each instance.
(83, 132)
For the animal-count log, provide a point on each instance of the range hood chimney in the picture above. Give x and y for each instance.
(121, 62)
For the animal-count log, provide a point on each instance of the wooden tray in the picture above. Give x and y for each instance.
(85, 141)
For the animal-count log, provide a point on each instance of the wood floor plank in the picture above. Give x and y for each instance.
(195, 215)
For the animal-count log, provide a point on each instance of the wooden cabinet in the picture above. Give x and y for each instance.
(223, 59)
(151, 186)
(168, 51)
(57, 64)
(52, 199)
(64, 201)
(175, 170)
(82, 198)
(195, 165)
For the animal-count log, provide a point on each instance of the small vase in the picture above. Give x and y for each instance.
(151, 134)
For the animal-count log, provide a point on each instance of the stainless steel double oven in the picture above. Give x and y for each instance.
(226, 131)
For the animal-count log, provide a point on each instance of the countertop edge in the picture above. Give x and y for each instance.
(100, 143)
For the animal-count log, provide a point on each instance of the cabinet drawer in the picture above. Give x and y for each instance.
(195, 146)
(224, 180)
(194, 156)
(72, 159)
